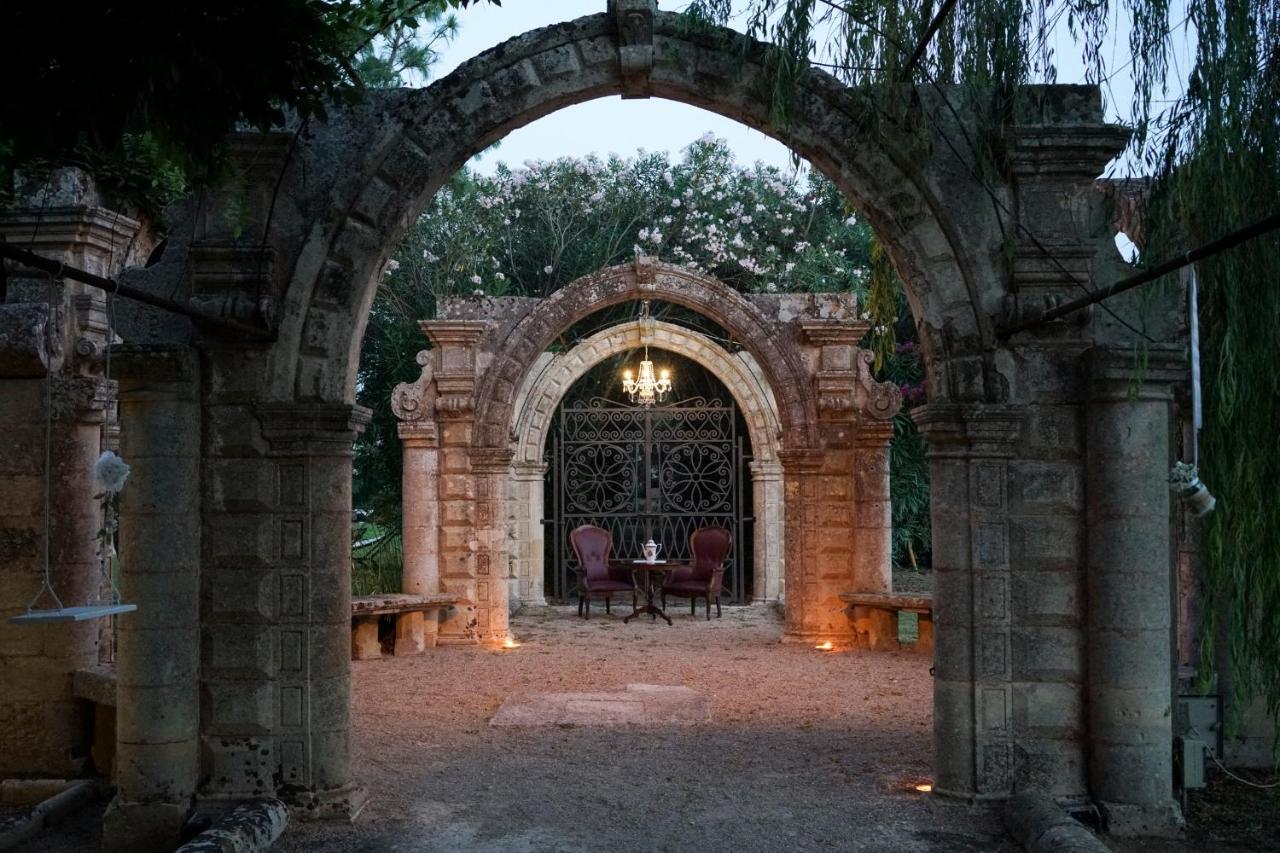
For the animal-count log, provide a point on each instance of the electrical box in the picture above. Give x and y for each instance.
(1190, 755)
(1200, 718)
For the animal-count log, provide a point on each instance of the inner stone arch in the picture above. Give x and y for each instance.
(551, 377)
(745, 318)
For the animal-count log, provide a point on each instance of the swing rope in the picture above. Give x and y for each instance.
(46, 585)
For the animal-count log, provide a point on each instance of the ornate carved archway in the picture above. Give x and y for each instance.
(552, 376)
(457, 418)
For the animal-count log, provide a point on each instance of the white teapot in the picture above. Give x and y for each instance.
(651, 550)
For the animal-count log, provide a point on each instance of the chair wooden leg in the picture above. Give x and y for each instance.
(717, 607)
(579, 605)
(693, 606)
(708, 608)
(588, 608)
(608, 599)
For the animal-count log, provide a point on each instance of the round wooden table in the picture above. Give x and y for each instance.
(651, 586)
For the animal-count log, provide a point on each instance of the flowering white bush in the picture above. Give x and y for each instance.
(532, 229)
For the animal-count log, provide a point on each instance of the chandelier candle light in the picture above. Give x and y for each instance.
(647, 388)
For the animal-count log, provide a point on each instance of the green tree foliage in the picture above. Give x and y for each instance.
(142, 94)
(531, 230)
(1212, 158)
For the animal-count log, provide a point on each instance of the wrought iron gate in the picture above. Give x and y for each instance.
(638, 472)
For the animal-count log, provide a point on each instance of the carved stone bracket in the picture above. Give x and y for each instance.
(879, 401)
(645, 271)
(634, 22)
(414, 402)
(25, 343)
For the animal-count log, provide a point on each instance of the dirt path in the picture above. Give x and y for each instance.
(805, 750)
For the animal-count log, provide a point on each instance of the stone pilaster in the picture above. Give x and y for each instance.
(818, 489)
(969, 452)
(420, 496)
(491, 469)
(1130, 567)
(768, 532)
(453, 365)
(525, 511)
(158, 646)
(873, 518)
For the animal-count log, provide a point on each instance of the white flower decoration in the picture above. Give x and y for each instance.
(110, 471)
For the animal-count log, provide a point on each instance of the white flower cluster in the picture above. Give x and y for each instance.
(110, 472)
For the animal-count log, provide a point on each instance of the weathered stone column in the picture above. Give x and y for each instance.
(158, 646)
(768, 532)
(421, 508)
(1130, 564)
(969, 451)
(528, 482)
(873, 559)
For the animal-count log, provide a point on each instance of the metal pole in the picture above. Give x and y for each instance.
(61, 270)
(1210, 249)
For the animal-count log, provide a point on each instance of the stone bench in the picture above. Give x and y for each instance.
(875, 618)
(415, 633)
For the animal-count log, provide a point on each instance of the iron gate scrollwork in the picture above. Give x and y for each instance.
(660, 471)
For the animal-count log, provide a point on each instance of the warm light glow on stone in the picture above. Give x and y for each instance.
(510, 643)
(828, 646)
(924, 787)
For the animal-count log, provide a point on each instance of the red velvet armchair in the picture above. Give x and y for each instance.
(597, 576)
(704, 576)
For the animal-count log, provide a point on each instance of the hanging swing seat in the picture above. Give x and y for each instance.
(79, 613)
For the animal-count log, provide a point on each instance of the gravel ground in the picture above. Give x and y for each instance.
(805, 751)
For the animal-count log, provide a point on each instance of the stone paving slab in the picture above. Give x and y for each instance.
(639, 704)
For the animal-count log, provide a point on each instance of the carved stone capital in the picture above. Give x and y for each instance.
(418, 434)
(311, 429)
(801, 460)
(633, 23)
(491, 460)
(143, 368)
(969, 430)
(81, 399)
(1117, 374)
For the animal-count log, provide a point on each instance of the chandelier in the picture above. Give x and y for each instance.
(647, 388)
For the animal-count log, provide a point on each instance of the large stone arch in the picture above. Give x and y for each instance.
(1025, 695)
(363, 177)
(555, 373)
